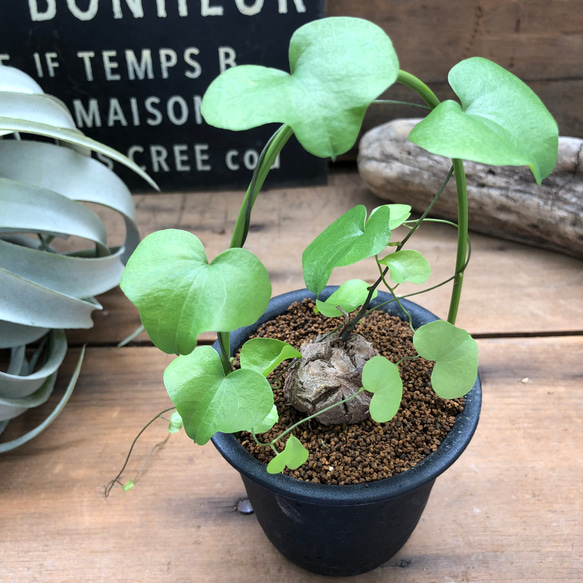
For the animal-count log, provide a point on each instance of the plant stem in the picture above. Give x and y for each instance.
(224, 339)
(116, 480)
(462, 239)
(266, 160)
(423, 217)
(462, 198)
(419, 87)
(397, 102)
(364, 308)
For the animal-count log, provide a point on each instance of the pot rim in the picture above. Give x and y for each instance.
(423, 472)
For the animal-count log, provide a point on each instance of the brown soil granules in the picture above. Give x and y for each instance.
(368, 451)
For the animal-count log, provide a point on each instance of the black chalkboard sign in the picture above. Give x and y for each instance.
(133, 73)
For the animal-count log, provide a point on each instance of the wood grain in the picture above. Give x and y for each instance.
(507, 286)
(503, 202)
(539, 42)
(508, 510)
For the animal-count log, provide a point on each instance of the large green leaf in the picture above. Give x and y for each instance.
(338, 67)
(180, 295)
(208, 401)
(500, 122)
(455, 354)
(347, 240)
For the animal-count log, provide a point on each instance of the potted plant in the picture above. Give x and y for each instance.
(338, 67)
(47, 287)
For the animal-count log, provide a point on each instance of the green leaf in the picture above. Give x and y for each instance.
(208, 401)
(347, 240)
(455, 354)
(407, 265)
(348, 296)
(293, 456)
(399, 213)
(128, 485)
(500, 122)
(175, 424)
(180, 295)
(269, 421)
(381, 377)
(265, 354)
(338, 67)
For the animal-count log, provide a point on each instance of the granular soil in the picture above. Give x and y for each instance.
(367, 451)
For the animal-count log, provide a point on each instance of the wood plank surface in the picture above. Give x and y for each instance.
(541, 42)
(508, 289)
(509, 510)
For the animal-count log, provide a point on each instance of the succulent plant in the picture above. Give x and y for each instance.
(47, 177)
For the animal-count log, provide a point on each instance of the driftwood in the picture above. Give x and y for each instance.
(504, 202)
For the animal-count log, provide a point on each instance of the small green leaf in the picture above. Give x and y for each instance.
(381, 377)
(180, 295)
(349, 239)
(208, 401)
(269, 421)
(455, 354)
(399, 213)
(500, 122)
(293, 456)
(407, 265)
(175, 424)
(338, 67)
(348, 296)
(128, 485)
(265, 354)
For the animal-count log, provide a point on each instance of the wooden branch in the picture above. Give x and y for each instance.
(504, 202)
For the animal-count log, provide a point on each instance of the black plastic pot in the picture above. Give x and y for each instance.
(344, 530)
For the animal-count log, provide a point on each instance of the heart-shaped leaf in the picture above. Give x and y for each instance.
(399, 213)
(293, 456)
(338, 67)
(500, 122)
(265, 354)
(348, 296)
(381, 377)
(347, 240)
(208, 401)
(179, 294)
(455, 354)
(269, 421)
(407, 265)
(175, 424)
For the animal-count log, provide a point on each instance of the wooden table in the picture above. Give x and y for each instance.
(509, 510)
